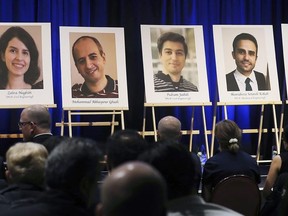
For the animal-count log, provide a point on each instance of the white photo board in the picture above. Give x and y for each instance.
(158, 90)
(112, 42)
(284, 28)
(231, 87)
(26, 65)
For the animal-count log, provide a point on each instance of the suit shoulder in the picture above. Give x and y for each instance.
(259, 74)
(230, 74)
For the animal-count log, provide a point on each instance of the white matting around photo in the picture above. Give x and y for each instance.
(265, 63)
(194, 70)
(112, 41)
(35, 94)
(284, 28)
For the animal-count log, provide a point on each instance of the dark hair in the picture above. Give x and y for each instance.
(228, 135)
(171, 36)
(71, 161)
(33, 71)
(98, 44)
(175, 164)
(244, 36)
(123, 146)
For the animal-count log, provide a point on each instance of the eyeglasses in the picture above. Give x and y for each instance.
(22, 124)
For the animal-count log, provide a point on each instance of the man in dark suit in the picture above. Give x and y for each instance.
(244, 78)
(35, 123)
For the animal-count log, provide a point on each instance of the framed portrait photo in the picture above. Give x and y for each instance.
(245, 63)
(25, 65)
(174, 64)
(93, 68)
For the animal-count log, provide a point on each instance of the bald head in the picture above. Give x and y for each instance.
(34, 120)
(169, 128)
(38, 114)
(134, 188)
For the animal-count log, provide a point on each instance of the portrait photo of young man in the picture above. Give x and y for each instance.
(172, 51)
(244, 77)
(246, 66)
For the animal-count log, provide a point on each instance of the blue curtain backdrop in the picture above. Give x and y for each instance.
(130, 14)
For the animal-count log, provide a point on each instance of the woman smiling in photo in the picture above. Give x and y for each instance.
(19, 60)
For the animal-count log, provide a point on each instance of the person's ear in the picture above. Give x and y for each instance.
(99, 209)
(33, 128)
(104, 56)
(233, 54)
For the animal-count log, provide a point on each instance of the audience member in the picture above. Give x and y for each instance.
(278, 165)
(276, 179)
(25, 175)
(35, 123)
(133, 188)
(169, 129)
(72, 171)
(123, 146)
(229, 161)
(174, 163)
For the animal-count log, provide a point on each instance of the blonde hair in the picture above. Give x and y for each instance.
(228, 135)
(26, 163)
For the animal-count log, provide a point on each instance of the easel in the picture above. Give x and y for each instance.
(190, 132)
(19, 135)
(260, 130)
(71, 111)
(281, 125)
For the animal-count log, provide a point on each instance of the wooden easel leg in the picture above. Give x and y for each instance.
(213, 130)
(154, 123)
(113, 122)
(276, 129)
(69, 123)
(62, 123)
(191, 129)
(205, 131)
(260, 134)
(281, 126)
(144, 122)
(225, 112)
(122, 120)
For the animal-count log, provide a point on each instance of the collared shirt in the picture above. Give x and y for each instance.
(164, 83)
(42, 134)
(240, 79)
(80, 90)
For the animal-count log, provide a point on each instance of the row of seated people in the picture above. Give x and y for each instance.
(70, 174)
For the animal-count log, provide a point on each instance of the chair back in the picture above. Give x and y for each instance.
(239, 193)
